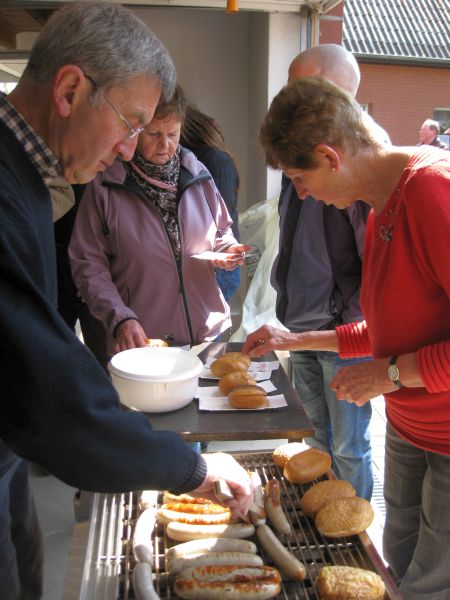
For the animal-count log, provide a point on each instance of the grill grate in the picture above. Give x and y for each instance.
(109, 560)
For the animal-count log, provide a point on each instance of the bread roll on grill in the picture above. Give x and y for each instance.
(344, 517)
(324, 492)
(349, 583)
(283, 453)
(306, 466)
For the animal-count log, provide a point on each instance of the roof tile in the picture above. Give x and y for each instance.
(398, 28)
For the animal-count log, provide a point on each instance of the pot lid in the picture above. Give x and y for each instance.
(157, 364)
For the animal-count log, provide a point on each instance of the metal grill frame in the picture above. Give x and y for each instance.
(109, 560)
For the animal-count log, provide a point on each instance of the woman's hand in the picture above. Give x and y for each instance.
(129, 334)
(363, 381)
(267, 338)
(238, 250)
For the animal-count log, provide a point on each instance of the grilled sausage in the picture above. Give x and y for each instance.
(142, 536)
(242, 559)
(210, 545)
(274, 509)
(143, 582)
(232, 583)
(185, 498)
(286, 561)
(184, 532)
(198, 509)
(148, 498)
(167, 516)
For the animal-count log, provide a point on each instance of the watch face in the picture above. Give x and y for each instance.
(393, 372)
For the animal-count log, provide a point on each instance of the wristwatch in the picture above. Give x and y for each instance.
(393, 372)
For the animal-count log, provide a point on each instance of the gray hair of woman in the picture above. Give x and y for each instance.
(309, 112)
(105, 40)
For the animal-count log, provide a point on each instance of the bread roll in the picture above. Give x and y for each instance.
(307, 465)
(349, 583)
(231, 380)
(324, 492)
(344, 517)
(248, 396)
(229, 363)
(283, 453)
(155, 342)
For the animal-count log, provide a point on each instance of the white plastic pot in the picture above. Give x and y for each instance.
(155, 379)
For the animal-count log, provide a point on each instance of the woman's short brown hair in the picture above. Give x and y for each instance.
(176, 106)
(308, 112)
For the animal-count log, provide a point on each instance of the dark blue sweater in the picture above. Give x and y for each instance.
(57, 406)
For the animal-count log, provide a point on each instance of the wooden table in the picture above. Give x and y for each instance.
(289, 422)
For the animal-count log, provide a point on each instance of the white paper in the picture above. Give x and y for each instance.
(208, 255)
(262, 366)
(213, 391)
(260, 370)
(258, 376)
(221, 403)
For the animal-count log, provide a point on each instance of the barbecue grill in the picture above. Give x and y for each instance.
(102, 561)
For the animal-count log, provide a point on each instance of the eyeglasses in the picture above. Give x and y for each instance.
(132, 131)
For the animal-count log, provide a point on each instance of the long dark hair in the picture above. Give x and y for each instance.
(202, 131)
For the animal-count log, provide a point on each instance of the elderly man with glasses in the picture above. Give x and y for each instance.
(94, 78)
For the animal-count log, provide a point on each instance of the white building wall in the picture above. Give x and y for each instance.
(231, 65)
(284, 45)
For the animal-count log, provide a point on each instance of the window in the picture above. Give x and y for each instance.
(443, 116)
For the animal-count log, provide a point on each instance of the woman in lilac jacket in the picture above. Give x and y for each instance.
(137, 228)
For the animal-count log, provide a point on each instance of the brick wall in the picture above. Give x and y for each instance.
(330, 25)
(401, 97)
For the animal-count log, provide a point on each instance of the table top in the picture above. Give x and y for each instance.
(289, 422)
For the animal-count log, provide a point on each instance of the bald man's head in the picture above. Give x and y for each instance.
(330, 61)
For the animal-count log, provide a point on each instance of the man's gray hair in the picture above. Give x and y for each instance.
(107, 41)
(434, 125)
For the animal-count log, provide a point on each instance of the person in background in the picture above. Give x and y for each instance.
(317, 134)
(137, 230)
(429, 134)
(202, 135)
(57, 406)
(317, 278)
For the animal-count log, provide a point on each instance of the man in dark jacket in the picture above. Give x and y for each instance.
(94, 78)
(317, 277)
(429, 134)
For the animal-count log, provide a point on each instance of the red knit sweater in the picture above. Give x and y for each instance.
(405, 297)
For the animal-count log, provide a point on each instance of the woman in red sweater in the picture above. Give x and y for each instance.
(318, 136)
